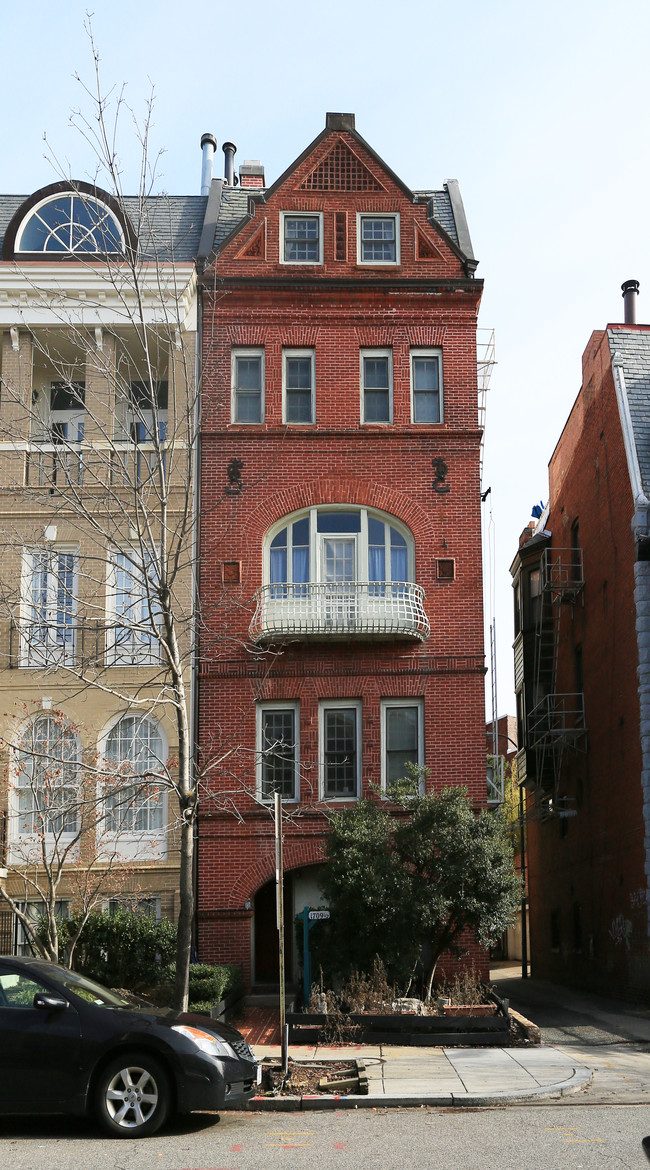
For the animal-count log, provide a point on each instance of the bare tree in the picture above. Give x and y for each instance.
(100, 418)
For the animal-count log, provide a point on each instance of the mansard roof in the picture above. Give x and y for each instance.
(166, 228)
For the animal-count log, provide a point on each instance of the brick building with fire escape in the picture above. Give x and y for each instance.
(582, 649)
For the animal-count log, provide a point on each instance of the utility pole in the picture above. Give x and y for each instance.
(279, 883)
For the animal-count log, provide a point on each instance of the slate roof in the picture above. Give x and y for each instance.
(442, 211)
(171, 224)
(632, 349)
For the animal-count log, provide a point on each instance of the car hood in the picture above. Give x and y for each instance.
(169, 1017)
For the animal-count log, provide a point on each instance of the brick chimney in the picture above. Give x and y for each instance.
(251, 173)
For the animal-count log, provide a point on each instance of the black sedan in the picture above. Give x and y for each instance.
(70, 1046)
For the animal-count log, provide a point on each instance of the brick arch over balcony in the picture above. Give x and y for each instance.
(351, 492)
(296, 855)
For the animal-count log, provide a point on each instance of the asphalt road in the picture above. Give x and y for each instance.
(538, 1137)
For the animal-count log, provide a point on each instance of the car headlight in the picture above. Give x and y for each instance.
(205, 1041)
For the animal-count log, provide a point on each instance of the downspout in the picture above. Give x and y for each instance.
(194, 677)
(641, 532)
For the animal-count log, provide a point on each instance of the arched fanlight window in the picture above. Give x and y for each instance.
(70, 222)
(339, 545)
(47, 778)
(135, 757)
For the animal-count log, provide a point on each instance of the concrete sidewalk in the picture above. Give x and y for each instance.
(437, 1076)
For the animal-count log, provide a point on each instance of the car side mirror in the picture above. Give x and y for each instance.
(49, 1001)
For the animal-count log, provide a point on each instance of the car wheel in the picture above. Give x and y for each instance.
(132, 1096)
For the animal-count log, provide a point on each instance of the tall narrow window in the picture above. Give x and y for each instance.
(298, 385)
(134, 611)
(248, 386)
(47, 779)
(340, 750)
(401, 739)
(49, 626)
(135, 783)
(426, 387)
(278, 751)
(376, 386)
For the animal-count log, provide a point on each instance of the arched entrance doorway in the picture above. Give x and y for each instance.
(300, 890)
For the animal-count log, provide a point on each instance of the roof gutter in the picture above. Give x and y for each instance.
(641, 518)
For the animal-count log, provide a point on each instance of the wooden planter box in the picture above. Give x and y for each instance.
(470, 1009)
(491, 1027)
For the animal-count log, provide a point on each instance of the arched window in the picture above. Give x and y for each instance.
(338, 546)
(338, 571)
(47, 778)
(135, 759)
(70, 222)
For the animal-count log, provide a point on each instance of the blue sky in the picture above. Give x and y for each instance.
(540, 111)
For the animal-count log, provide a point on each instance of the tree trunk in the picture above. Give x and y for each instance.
(185, 916)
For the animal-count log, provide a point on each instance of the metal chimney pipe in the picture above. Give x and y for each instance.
(229, 150)
(208, 146)
(630, 292)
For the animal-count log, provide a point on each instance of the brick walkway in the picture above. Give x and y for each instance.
(259, 1025)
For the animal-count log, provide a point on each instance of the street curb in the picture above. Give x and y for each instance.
(580, 1078)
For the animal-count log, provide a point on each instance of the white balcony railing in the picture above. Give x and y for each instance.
(352, 608)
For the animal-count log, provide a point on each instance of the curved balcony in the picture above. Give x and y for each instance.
(347, 609)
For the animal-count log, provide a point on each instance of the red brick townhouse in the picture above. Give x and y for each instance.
(340, 505)
(582, 667)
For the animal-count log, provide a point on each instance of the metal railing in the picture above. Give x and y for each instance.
(54, 464)
(562, 572)
(70, 643)
(376, 608)
(557, 718)
(495, 779)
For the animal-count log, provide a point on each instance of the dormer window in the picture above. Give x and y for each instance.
(69, 222)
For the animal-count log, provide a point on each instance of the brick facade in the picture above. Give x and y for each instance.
(587, 880)
(335, 310)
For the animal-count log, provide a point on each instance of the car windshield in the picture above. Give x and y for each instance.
(86, 988)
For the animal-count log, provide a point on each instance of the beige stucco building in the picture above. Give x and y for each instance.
(97, 405)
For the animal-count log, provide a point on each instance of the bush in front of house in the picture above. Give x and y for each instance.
(123, 948)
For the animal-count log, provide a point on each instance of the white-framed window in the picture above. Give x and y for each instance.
(48, 628)
(34, 911)
(378, 238)
(70, 222)
(340, 749)
(133, 609)
(145, 904)
(58, 412)
(402, 739)
(301, 237)
(426, 386)
(298, 385)
(278, 750)
(338, 546)
(376, 385)
(248, 385)
(135, 756)
(46, 780)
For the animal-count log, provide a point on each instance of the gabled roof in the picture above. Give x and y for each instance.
(445, 205)
(630, 350)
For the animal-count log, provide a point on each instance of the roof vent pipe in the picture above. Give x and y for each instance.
(630, 292)
(208, 146)
(229, 150)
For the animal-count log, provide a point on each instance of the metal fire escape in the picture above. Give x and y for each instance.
(556, 725)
